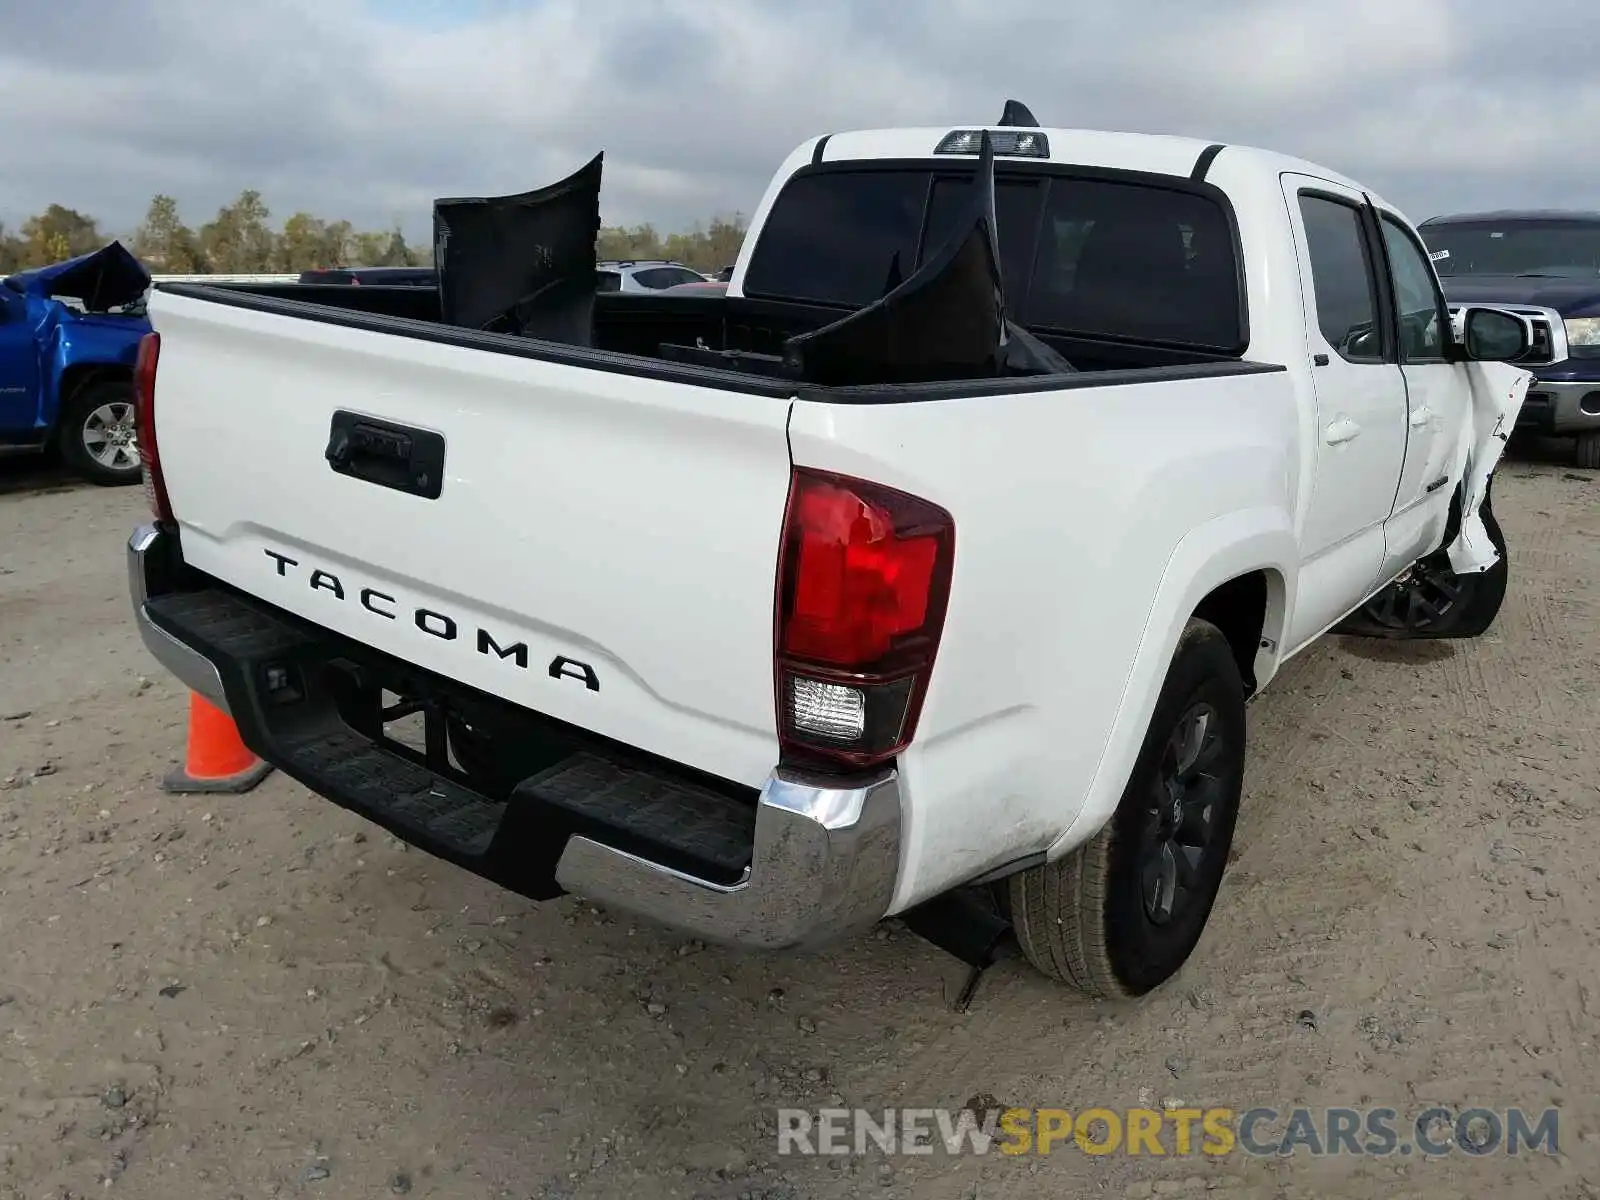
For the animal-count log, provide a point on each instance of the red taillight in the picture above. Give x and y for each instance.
(863, 582)
(144, 425)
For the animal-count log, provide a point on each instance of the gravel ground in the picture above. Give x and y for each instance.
(264, 995)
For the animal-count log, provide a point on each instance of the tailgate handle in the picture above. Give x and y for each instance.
(400, 457)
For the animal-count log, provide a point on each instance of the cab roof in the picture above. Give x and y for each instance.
(1156, 154)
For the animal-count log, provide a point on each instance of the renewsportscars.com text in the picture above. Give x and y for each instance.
(1173, 1132)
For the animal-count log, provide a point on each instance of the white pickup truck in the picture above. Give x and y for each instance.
(938, 557)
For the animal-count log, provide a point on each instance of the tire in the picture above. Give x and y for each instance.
(1093, 919)
(1432, 601)
(96, 434)
(1588, 451)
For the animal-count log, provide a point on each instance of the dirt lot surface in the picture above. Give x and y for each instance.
(264, 995)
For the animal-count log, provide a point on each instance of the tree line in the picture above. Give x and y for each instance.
(241, 239)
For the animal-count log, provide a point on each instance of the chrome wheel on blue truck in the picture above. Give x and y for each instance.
(97, 436)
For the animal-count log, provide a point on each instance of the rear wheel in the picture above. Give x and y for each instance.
(1122, 913)
(97, 433)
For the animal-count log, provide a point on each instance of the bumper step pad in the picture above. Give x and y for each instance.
(223, 626)
(406, 793)
(673, 822)
(619, 801)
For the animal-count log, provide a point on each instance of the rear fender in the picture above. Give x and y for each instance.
(1226, 548)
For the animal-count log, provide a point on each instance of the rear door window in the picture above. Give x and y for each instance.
(1343, 281)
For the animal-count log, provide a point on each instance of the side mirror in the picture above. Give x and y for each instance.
(1494, 335)
(1364, 342)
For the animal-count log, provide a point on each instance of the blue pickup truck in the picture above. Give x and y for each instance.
(1547, 265)
(69, 335)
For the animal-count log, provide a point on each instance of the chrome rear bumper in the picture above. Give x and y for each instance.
(826, 851)
(825, 863)
(146, 556)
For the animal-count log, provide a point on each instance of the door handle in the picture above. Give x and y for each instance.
(1421, 416)
(1341, 431)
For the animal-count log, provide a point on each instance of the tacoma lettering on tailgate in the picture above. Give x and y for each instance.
(435, 623)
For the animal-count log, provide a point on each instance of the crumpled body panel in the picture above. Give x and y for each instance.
(1498, 390)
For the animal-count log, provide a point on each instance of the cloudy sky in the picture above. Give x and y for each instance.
(368, 109)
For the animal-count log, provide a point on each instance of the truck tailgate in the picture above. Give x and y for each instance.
(601, 549)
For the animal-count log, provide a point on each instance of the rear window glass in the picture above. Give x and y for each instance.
(1090, 257)
(838, 237)
(1133, 261)
(1016, 208)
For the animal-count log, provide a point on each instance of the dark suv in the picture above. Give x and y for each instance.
(1545, 264)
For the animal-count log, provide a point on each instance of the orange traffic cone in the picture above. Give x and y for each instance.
(218, 760)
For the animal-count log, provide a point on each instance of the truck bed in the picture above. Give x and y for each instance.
(661, 330)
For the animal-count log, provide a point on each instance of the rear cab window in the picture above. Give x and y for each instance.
(1140, 259)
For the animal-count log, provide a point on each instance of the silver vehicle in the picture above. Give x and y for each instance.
(643, 275)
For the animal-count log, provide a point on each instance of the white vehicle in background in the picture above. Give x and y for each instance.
(927, 571)
(210, 277)
(643, 275)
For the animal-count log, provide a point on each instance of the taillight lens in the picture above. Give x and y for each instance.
(144, 425)
(863, 583)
